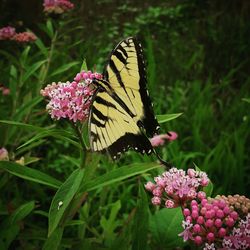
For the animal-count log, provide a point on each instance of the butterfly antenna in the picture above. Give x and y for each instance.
(165, 163)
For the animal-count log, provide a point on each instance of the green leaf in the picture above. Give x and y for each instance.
(110, 224)
(75, 223)
(165, 225)
(246, 100)
(41, 46)
(29, 174)
(22, 212)
(25, 54)
(50, 28)
(119, 174)
(53, 242)
(64, 68)
(141, 221)
(168, 117)
(64, 195)
(59, 134)
(26, 107)
(23, 125)
(13, 80)
(209, 189)
(31, 70)
(84, 65)
(196, 167)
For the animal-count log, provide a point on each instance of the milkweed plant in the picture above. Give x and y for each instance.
(209, 223)
(201, 221)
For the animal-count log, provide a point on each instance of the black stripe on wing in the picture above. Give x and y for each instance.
(150, 122)
(137, 142)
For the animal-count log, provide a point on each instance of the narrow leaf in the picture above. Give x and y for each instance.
(31, 70)
(62, 198)
(53, 242)
(53, 133)
(64, 68)
(119, 175)
(29, 174)
(22, 212)
(27, 106)
(141, 221)
(168, 117)
(50, 28)
(41, 46)
(23, 125)
(84, 65)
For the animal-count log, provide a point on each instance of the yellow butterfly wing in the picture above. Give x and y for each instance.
(126, 74)
(121, 106)
(112, 129)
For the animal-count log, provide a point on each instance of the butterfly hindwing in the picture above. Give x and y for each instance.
(112, 129)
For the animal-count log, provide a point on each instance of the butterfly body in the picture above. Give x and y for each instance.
(121, 112)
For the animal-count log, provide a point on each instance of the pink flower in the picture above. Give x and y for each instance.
(177, 186)
(186, 234)
(70, 100)
(7, 33)
(210, 226)
(150, 186)
(24, 37)
(57, 6)
(169, 204)
(239, 237)
(4, 155)
(159, 140)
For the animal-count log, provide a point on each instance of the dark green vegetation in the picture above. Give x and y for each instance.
(198, 64)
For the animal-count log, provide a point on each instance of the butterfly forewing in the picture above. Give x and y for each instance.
(126, 74)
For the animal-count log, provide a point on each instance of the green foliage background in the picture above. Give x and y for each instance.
(197, 56)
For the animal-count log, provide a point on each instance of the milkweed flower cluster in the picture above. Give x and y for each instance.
(239, 203)
(175, 187)
(159, 140)
(208, 222)
(239, 238)
(71, 100)
(7, 33)
(25, 37)
(57, 6)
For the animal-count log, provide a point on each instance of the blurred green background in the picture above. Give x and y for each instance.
(198, 62)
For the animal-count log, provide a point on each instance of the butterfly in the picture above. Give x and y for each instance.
(121, 115)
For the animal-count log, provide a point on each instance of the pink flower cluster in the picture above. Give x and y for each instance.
(208, 221)
(239, 238)
(71, 100)
(175, 187)
(7, 33)
(159, 140)
(57, 6)
(25, 37)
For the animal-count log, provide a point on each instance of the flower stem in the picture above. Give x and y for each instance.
(83, 148)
